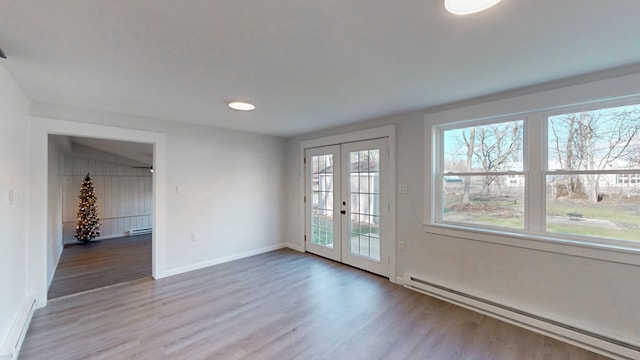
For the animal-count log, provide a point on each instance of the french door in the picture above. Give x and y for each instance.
(347, 203)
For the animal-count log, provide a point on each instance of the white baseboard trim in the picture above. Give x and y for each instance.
(613, 348)
(204, 264)
(13, 343)
(295, 247)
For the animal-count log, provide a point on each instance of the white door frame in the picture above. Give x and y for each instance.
(389, 132)
(39, 131)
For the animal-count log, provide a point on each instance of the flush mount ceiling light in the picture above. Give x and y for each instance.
(241, 105)
(466, 7)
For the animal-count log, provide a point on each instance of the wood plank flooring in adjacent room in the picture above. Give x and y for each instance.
(278, 305)
(100, 264)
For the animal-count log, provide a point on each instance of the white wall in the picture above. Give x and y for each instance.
(232, 195)
(586, 291)
(14, 120)
(231, 185)
(124, 196)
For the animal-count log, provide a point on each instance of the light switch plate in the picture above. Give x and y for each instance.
(12, 196)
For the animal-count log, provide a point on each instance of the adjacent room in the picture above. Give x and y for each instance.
(443, 179)
(115, 178)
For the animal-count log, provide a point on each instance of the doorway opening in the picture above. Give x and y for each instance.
(121, 174)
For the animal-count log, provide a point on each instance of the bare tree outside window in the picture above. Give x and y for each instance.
(593, 177)
(483, 179)
(499, 148)
(470, 145)
(594, 141)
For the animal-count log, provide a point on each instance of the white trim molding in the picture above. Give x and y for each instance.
(619, 254)
(204, 264)
(13, 343)
(389, 132)
(295, 247)
(533, 108)
(40, 129)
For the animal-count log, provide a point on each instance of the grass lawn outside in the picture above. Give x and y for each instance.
(610, 220)
(321, 235)
(502, 211)
(616, 218)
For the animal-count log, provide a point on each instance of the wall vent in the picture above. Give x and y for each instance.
(141, 231)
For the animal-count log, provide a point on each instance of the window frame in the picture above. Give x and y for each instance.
(535, 169)
(440, 173)
(594, 106)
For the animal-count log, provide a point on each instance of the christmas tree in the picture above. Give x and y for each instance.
(88, 226)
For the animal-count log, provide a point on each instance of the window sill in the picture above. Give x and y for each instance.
(606, 252)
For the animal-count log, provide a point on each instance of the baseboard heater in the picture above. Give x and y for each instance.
(18, 331)
(141, 231)
(579, 337)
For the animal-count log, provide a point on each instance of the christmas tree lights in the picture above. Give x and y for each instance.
(88, 225)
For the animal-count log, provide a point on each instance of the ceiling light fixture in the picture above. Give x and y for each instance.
(466, 7)
(241, 105)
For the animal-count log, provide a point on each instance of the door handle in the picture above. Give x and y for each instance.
(343, 212)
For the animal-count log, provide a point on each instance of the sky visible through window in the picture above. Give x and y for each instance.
(604, 139)
(494, 147)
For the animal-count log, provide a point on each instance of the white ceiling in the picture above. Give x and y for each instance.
(307, 65)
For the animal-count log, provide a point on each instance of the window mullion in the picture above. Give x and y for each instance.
(436, 171)
(535, 157)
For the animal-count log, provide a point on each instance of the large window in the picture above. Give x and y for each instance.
(482, 175)
(592, 179)
(572, 174)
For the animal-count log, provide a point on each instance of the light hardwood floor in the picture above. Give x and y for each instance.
(100, 264)
(278, 305)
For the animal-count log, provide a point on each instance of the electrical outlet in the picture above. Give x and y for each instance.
(194, 236)
(401, 245)
(403, 189)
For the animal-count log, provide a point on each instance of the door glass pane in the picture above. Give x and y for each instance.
(322, 200)
(364, 188)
